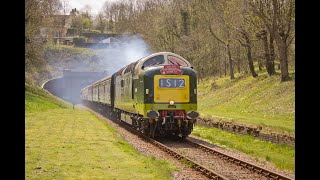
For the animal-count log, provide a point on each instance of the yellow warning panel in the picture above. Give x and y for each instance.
(174, 88)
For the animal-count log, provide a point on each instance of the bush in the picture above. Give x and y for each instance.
(95, 31)
(72, 32)
(79, 40)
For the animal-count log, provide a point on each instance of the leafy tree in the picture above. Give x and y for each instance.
(35, 13)
(86, 23)
(86, 17)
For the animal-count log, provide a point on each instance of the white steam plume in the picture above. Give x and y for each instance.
(128, 50)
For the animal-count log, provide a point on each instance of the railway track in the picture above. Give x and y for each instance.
(267, 173)
(211, 163)
(204, 170)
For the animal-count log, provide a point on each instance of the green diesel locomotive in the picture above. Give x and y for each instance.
(156, 94)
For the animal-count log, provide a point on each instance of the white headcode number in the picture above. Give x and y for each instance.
(172, 83)
(181, 83)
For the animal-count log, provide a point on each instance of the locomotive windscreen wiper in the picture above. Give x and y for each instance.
(174, 63)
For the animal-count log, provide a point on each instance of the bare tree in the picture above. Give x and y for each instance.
(225, 29)
(65, 6)
(246, 42)
(263, 35)
(205, 31)
(101, 22)
(279, 23)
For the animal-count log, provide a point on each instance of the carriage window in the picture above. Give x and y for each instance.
(122, 83)
(177, 61)
(156, 60)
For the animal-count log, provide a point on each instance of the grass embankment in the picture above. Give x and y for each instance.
(281, 156)
(65, 143)
(262, 101)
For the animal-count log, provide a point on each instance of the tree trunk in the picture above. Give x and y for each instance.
(250, 61)
(239, 62)
(225, 66)
(220, 68)
(272, 54)
(225, 62)
(230, 62)
(248, 46)
(202, 73)
(246, 69)
(198, 72)
(260, 64)
(219, 59)
(266, 51)
(283, 55)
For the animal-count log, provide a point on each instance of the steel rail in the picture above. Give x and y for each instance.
(202, 169)
(257, 169)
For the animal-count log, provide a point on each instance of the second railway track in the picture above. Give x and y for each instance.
(260, 170)
(228, 166)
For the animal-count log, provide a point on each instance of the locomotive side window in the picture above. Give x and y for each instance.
(156, 60)
(177, 61)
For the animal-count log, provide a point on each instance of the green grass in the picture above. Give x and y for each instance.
(37, 99)
(262, 101)
(280, 156)
(62, 143)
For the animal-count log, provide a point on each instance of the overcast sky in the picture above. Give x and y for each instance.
(96, 5)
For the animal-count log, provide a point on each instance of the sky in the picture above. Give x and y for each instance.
(96, 5)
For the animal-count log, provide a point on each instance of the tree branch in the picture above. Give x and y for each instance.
(243, 44)
(289, 18)
(161, 36)
(275, 25)
(210, 29)
(290, 41)
(264, 18)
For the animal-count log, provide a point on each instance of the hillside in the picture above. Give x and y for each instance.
(36, 99)
(262, 101)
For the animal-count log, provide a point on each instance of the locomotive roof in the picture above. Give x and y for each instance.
(97, 82)
(162, 53)
(143, 59)
(136, 65)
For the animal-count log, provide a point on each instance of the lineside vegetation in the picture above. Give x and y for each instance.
(263, 101)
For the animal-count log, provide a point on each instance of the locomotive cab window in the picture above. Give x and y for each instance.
(156, 60)
(177, 61)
